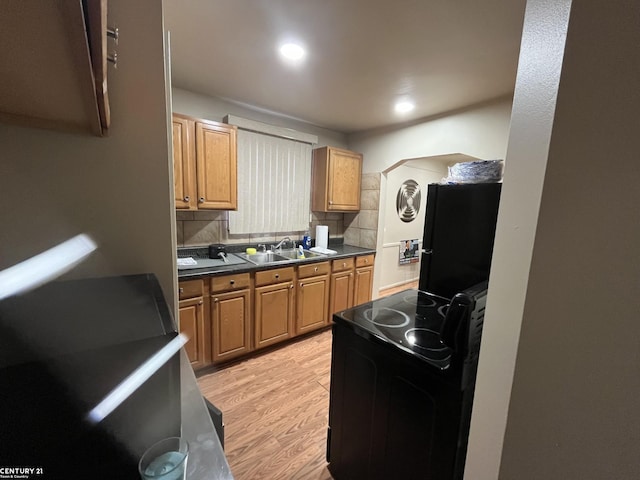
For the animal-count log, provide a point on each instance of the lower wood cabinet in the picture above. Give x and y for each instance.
(341, 294)
(363, 280)
(312, 297)
(231, 333)
(228, 316)
(193, 321)
(273, 307)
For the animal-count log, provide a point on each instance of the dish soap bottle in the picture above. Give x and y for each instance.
(306, 240)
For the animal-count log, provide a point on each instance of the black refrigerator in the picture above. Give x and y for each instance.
(458, 237)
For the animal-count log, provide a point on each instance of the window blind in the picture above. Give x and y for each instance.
(274, 185)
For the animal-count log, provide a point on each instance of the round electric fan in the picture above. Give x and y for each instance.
(408, 201)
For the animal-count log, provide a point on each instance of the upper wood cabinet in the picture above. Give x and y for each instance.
(204, 164)
(184, 165)
(336, 180)
(53, 65)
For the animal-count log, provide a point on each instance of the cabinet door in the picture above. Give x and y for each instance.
(231, 334)
(341, 296)
(192, 324)
(345, 171)
(184, 175)
(273, 313)
(363, 284)
(312, 304)
(216, 160)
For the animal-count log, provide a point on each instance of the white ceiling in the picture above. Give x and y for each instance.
(363, 55)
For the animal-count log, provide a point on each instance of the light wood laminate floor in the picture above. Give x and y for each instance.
(275, 408)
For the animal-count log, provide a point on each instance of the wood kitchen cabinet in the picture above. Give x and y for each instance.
(184, 164)
(312, 297)
(341, 288)
(230, 316)
(273, 308)
(205, 164)
(193, 314)
(336, 176)
(54, 57)
(363, 279)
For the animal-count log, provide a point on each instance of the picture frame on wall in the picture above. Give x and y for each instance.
(409, 251)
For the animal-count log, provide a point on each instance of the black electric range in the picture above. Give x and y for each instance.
(402, 381)
(410, 320)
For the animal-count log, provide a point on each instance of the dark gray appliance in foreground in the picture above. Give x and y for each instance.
(459, 230)
(403, 372)
(63, 348)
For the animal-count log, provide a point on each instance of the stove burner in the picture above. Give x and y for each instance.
(424, 339)
(387, 317)
(420, 301)
(443, 310)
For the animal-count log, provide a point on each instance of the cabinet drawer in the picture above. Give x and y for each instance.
(313, 269)
(343, 264)
(229, 282)
(274, 276)
(364, 261)
(190, 288)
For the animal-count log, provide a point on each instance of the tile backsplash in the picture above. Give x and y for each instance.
(361, 228)
(199, 228)
(204, 227)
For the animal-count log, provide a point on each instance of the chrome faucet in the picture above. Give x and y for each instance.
(262, 247)
(277, 247)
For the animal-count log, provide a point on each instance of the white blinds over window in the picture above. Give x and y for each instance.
(274, 185)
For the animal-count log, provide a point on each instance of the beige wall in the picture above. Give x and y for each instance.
(572, 313)
(479, 131)
(117, 189)
(211, 108)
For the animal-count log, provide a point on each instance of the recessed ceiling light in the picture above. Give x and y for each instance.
(292, 51)
(404, 106)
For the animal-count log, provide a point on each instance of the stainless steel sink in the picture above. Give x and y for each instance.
(293, 254)
(264, 258)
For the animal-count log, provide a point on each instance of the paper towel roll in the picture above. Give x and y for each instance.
(322, 236)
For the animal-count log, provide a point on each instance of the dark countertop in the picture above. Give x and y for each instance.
(342, 250)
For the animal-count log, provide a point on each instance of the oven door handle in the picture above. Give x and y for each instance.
(453, 331)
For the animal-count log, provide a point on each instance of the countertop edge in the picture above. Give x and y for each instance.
(343, 251)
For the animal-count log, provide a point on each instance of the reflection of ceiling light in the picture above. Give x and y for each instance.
(404, 106)
(292, 51)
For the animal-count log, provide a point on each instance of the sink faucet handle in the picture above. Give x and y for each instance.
(262, 247)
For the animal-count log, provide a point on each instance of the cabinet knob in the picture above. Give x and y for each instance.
(300, 284)
(344, 264)
(181, 290)
(201, 199)
(366, 260)
(232, 282)
(200, 302)
(187, 198)
(215, 299)
(315, 269)
(351, 274)
(291, 286)
(277, 275)
(330, 202)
